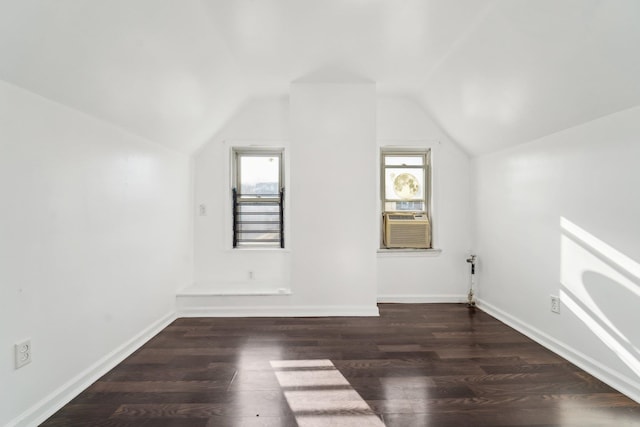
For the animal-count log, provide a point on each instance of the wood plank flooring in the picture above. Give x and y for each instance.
(415, 365)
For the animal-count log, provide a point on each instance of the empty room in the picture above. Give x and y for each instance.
(326, 213)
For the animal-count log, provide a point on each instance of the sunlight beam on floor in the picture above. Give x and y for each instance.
(320, 396)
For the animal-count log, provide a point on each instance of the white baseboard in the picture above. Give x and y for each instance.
(605, 374)
(39, 412)
(46, 407)
(279, 311)
(419, 299)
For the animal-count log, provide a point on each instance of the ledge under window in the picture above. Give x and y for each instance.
(196, 292)
(257, 249)
(390, 253)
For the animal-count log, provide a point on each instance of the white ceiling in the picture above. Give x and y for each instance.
(532, 68)
(492, 73)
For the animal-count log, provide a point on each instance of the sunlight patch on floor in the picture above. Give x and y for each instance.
(320, 396)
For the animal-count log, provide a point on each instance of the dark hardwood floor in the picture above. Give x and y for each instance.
(415, 365)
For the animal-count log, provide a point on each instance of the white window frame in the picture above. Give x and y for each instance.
(236, 153)
(426, 177)
(427, 149)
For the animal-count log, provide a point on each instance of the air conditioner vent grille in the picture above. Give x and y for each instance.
(407, 231)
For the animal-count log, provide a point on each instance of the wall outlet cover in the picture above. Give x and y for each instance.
(23, 354)
(555, 304)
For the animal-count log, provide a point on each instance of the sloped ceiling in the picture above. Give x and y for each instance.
(156, 68)
(532, 68)
(492, 73)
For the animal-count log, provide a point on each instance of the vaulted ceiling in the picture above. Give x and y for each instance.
(491, 73)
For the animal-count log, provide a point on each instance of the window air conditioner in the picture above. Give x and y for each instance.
(407, 230)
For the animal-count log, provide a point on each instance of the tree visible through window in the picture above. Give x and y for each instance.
(258, 198)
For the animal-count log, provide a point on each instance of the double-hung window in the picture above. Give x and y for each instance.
(258, 198)
(405, 184)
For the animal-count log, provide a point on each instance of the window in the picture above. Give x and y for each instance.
(405, 185)
(258, 198)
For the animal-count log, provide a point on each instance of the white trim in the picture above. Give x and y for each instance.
(431, 145)
(264, 249)
(47, 406)
(407, 253)
(420, 299)
(255, 144)
(280, 311)
(605, 374)
(229, 289)
(195, 292)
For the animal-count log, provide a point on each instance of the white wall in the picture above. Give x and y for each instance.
(333, 193)
(399, 121)
(266, 122)
(559, 216)
(94, 240)
(431, 277)
(219, 268)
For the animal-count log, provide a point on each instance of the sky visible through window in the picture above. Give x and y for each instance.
(259, 174)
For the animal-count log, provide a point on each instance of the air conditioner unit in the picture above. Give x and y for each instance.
(407, 230)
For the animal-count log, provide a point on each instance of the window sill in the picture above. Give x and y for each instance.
(245, 249)
(404, 253)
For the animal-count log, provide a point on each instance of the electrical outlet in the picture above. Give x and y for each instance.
(251, 276)
(203, 210)
(23, 353)
(555, 304)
